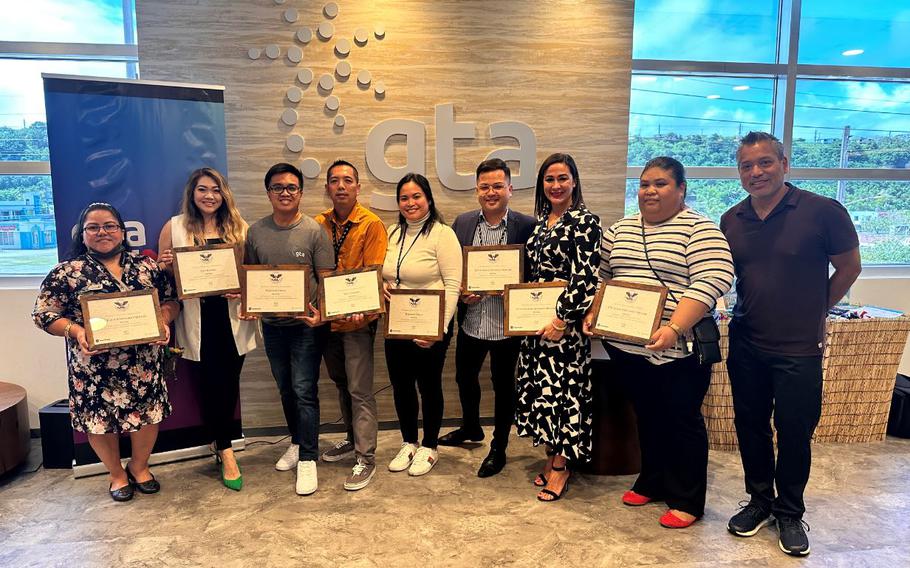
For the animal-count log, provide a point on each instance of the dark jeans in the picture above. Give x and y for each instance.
(791, 388)
(294, 352)
(470, 353)
(410, 368)
(219, 371)
(671, 429)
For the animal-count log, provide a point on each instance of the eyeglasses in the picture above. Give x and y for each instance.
(279, 189)
(495, 187)
(108, 228)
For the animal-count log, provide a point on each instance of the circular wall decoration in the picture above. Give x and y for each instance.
(325, 30)
(339, 121)
(379, 88)
(295, 143)
(254, 53)
(291, 15)
(289, 116)
(332, 103)
(305, 76)
(379, 31)
(330, 10)
(364, 77)
(295, 54)
(272, 51)
(361, 36)
(304, 35)
(343, 47)
(343, 69)
(294, 94)
(326, 82)
(310, 168)
(279, 2)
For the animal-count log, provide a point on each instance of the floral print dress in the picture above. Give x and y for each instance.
(554, 378)
(121, 389)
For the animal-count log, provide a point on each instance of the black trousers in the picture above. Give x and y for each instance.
(470, 353)
(411, 368)
(671, 429)
(790, 388)
(219, 371)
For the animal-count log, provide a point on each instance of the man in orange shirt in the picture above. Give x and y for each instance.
(359, 239)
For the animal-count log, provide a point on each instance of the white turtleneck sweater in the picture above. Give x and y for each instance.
(433, 262)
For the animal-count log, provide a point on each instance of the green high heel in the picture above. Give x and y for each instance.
(234, 484)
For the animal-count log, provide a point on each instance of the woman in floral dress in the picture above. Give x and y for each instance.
(110, 390)
(554, 382)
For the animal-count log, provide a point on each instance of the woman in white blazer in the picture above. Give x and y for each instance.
(209, 329)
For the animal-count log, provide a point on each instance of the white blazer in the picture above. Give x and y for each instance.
(189, 323)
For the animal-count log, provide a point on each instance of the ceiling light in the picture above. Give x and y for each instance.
(713, 97)
(852, 52)
(741, 88)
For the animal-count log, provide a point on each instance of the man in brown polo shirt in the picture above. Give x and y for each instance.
(782, 239)
(359, 239)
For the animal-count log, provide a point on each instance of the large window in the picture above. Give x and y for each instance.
(830, 78)
(74, 37)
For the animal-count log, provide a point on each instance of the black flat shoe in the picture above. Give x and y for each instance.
(146, 487)
(125, 493)
(459, 436)
(492, 464)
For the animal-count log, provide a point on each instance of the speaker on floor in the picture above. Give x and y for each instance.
(56, 435)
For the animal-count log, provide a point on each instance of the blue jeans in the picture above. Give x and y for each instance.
(294, 353)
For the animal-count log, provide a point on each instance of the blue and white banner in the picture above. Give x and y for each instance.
(133, 144)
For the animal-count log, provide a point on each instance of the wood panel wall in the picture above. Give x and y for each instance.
(562, 67)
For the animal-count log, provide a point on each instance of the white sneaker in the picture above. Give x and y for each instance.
(288, 461)
(403, 460)
(423, 462)
(306, 477)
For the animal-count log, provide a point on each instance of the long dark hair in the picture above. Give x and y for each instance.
(78, 247)
(231, 226)
(541, 203)
(434, 217)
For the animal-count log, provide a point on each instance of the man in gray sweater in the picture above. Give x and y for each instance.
(294, 345)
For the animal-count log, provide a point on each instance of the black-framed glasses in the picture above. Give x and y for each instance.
(484, 188)
(279, 189)
(94, 229)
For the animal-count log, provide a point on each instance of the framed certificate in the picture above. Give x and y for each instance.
(278, 290)
(346, 292)
(628, 311)
(119, 319)
(487, 270)
(529, 307)
(207, 270)
(415, 314)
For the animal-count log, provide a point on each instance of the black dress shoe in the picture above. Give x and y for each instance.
(146, 487)
(125, 493)
(492, 464)
(459, 436)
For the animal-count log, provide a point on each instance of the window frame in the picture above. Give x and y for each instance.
(785, 74)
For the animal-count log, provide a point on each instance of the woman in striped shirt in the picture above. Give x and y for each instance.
(668, 244)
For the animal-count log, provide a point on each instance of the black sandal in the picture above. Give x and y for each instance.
(555, 496)
(541, 479)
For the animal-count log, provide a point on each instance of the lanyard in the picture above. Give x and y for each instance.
(338, 242)
(402, 257)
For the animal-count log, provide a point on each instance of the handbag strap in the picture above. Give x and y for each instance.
(644, 243)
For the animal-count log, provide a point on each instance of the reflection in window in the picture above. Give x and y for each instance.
(846, 32)
(28, 235)
(68, 21)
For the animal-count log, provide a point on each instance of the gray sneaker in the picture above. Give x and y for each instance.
(339, 451)
(360, 476)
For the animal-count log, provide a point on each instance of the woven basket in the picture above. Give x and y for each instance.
(859, 367)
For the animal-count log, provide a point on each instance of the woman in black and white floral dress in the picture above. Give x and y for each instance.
(114, 390)
(554, 382)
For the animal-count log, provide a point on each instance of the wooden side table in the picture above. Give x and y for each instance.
(14, 433)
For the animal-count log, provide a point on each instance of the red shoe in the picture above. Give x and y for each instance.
(671, 521)
(633, 499)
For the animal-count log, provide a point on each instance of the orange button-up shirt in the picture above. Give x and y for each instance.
(365, 245)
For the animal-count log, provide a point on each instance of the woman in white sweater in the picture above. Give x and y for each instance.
(423, 253)
(214, 338)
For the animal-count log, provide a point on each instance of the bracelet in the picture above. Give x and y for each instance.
(676, 329)
(66, 330)
(557, 328)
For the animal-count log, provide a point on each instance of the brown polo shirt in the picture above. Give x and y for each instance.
(781, 266)
(364, 245)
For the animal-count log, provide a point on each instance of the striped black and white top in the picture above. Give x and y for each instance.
(484, 320)
(691, 255)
